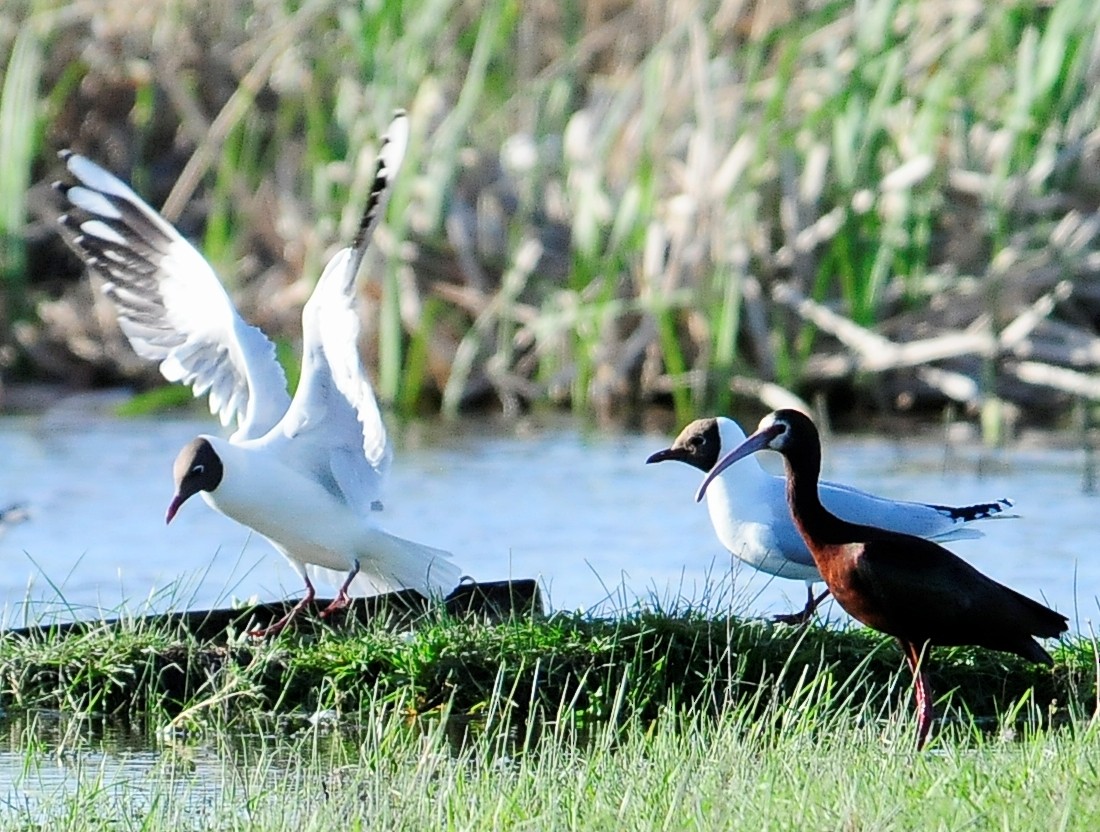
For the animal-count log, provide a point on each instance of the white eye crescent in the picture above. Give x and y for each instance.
(198, 469)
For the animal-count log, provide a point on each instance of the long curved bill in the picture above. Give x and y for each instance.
(757, 442)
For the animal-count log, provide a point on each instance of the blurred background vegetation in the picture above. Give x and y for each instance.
(888, 204)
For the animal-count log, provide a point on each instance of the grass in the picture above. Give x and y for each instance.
(568, 669)
(817, 752)
(19, 128)
(644, 719)
(668, 165)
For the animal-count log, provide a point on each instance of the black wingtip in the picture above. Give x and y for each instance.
(977, 511)
(67, 221)
(383, 179)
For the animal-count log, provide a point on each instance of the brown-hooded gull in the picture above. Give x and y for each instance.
(306, 473)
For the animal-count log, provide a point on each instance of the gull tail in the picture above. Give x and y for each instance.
(962, 516)
(389, 563)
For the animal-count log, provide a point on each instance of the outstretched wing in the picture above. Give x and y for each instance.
(334, 418)
(170, 304)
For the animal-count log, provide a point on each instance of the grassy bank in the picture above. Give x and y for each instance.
(646, 721)
(605, 203)
(564, 672)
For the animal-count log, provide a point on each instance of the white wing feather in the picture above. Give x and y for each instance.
(334, 401)
(170, 304)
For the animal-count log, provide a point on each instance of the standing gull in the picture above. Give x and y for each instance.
(748, 509)
(306, 473)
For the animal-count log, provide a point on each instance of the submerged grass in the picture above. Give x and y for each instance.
(810, 763)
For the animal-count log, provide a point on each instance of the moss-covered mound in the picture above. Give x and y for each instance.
(533, 670)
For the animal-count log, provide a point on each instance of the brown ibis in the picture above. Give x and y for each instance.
(905, 586)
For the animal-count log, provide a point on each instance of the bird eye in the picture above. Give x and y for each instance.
(695, 441)
(198, 469)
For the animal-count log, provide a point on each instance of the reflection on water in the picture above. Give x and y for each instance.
(46, 757)
(578, 509)
(53, 764)
(62, 771)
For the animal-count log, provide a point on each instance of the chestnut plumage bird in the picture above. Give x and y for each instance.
(904, 586)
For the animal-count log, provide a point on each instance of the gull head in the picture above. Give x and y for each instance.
(197, 468)
(699, 445)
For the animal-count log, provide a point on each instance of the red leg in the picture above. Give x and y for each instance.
(342, 600)
(925, 709)
(801, 618)
(278, 626)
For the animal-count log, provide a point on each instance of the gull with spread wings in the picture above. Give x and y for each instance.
(306, 473)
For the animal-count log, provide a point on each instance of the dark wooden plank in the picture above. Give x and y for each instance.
(492, 601)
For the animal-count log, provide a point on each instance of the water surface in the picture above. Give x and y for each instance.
(576, 508)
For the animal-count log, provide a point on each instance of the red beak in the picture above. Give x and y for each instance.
(173, 507)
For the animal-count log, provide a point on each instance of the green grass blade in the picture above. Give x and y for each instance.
(18, 145)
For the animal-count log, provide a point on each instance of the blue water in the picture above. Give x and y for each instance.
(576, 508)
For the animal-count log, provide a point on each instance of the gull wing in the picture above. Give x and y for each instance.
(170, 304)
(334, 418)
(932, 522)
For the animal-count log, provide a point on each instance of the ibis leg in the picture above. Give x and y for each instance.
(925, 709)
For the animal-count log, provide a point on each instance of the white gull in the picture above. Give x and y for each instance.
(306, 473)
